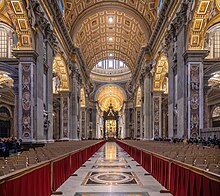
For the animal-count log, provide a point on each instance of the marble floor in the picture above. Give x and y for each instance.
(111, 172)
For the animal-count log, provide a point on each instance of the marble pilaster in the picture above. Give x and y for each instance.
(74, 110)
(64, 116)
(27, 64)
(147, 106)
(194, 63)
(207, 113)
(157, 114)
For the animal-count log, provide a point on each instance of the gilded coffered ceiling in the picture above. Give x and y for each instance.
(75, 9)
(161, 70)
(110, 29)
(110, 35)
(13, 13)
(110, 94)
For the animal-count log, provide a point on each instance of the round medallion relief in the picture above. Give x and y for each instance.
(111, 178)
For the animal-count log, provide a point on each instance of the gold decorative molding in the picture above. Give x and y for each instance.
(205, 11)
(100, 39)
(74, 9)
(17, 14)
(138, 97)
(110, 94)
(161, 69)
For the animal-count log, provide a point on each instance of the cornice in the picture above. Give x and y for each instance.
(83, 69)
(177, 24)
(138, 67)
(38, 20)
(58, 22)
(162, 20)
(56, 16)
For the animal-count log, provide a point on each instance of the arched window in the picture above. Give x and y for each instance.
(216, 112)
(216, 117)
(6, 41)
(159, 6)
(213, 38)
(111, 66)
(61, 6)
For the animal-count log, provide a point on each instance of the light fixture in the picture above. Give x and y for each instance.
(110, 39)
(110, 54)
(216, 75)
(110, 19)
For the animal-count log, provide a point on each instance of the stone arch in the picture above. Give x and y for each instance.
(144, 10)
(7, 68)
(212, 69)
(60, 74)
(215, 119)
(8, 108)
(110, 93)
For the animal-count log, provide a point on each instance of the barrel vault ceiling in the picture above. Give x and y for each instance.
(115, 29)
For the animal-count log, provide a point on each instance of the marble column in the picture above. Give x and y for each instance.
(73, 121)
(83, 122)
(194, 63)
(137, 129)
(56, 122)
(64, 116)
(157, 114)
(127, 122)
(27, 64)
(165, 116)
(142, 108)
(16, 107)
(147, 106)
(117, 127)
(207, 113)
(79, 85)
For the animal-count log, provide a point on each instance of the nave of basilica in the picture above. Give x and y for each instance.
(109, 97)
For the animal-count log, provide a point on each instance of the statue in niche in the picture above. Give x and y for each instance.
(56, 81)
(194, 121)
(45, 51)
(46, 119)
(26, 123)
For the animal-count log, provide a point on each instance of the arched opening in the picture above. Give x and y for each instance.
(216, 117)
(110, 108)
(110, 70)
(160, 98)
(7, 105)
(60, 96)
(5, 122)
(60, 75)
(213, 41)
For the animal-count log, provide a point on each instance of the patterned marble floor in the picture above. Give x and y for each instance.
(111, 172)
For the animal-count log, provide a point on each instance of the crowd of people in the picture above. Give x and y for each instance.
(9, 146)
(210, 141)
